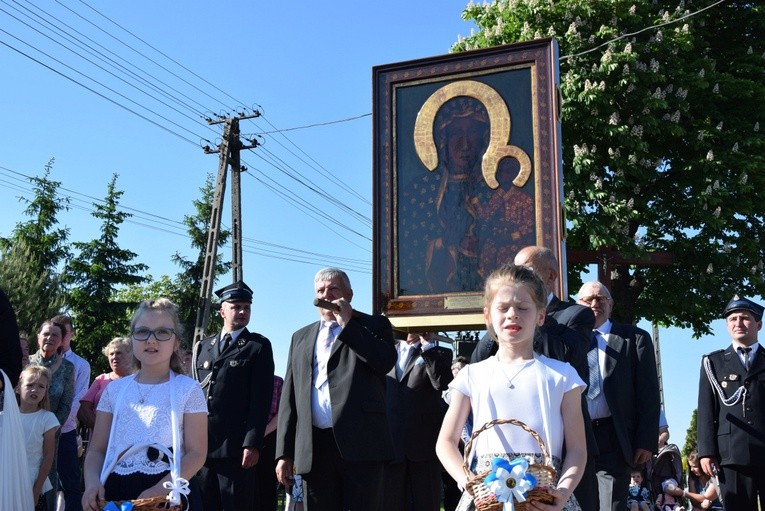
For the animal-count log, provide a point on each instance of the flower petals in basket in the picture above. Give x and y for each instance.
(510, 484)
(150, 504)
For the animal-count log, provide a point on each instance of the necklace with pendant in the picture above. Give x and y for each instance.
(519, 371)
(143, 396)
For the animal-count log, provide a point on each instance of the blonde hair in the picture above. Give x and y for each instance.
(118, 342)
(34, 370)
(519, 275)
(165, 306)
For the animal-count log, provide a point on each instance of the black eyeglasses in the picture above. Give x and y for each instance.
(160, 334)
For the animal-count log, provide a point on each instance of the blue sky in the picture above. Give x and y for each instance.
(306, 64)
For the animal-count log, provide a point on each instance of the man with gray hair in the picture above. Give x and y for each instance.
(622, 397)
(332, 426)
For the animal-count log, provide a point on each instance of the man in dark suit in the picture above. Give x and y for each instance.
(332, 425)
(236, 370)
(731, 412)
(10, 348)
(622, 398)
(416, 411)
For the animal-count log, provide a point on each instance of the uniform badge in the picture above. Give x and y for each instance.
(233, 363)
(206, 365)
(724, 384)
(733, 377)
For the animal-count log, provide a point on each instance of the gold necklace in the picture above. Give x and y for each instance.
(519, 371)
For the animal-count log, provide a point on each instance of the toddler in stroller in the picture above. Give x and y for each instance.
(664, 472)
(639, 498)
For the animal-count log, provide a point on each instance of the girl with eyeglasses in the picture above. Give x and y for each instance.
(144, 418)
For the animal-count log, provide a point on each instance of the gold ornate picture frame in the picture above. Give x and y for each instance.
(467, 170)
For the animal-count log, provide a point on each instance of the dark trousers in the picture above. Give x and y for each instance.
(69, 475)
(742, 487)
(266, 469)
(226, 486)
(452, 492)
(586, 491)
(413, 486)
(335, 484)
(611, 469)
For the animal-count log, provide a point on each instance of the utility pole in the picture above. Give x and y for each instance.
(229, 150)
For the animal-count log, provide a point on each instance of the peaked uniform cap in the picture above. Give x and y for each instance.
(236, 292)
(743, 304)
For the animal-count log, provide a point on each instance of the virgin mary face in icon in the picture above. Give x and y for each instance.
(462, 134)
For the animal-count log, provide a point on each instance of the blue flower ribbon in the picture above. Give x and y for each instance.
(125, 506)
(508, 480)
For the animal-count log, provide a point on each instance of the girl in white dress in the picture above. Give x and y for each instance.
(517, 384)
(147, 407)
(39, 426)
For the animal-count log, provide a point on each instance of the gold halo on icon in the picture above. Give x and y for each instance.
(499, 135)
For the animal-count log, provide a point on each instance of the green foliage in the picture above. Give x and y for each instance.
(34, 295)
(690, 436)
(92, 277)
(31, 256)
(662, 146)
(189, 281)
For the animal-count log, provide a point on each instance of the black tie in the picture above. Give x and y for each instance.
(225, 342)
(746, 352)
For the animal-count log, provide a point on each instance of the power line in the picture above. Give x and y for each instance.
(652, 27)
(110, 100)
(156, 221)
(316, 125)
(162, 90)
(150, 46)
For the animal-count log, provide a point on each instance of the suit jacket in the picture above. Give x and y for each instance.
(735, 434)
(239, 384)
(361, 356)
(631, 388)
(415, 406)
(10, 348)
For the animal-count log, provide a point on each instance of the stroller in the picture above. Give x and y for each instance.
(668, 464)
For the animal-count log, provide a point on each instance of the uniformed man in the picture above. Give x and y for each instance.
(731, 411)
(236, 370)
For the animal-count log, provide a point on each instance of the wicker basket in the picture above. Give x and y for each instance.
(150, 504)
(484, 499)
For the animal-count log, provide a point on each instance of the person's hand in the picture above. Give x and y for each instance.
(284, 472)
(36, 491)
(707, 465)
(641, 456)
(155, 491)
(250, 457)
(91, 496)
(344, 315)
(557, 505)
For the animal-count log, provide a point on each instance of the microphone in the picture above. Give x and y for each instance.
(326, 304)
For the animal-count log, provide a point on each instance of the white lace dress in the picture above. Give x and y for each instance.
(147, 422)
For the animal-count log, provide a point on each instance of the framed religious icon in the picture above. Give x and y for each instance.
(467, 171)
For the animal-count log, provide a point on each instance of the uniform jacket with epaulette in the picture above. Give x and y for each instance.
(239, 386)
(733, 434)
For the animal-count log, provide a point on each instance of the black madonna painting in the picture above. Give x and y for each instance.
(466, 174)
